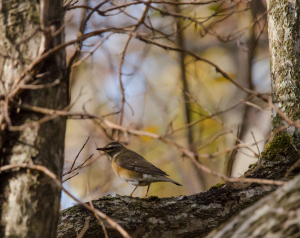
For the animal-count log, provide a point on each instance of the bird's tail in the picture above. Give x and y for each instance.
(166, 179)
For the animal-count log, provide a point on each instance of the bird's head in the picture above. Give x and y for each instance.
(112, 149)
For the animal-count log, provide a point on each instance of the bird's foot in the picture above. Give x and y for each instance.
(146, 196)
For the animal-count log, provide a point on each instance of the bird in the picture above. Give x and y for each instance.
(133, 168)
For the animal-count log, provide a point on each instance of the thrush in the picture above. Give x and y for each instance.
(133, 168)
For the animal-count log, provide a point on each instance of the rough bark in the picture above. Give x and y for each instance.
(192, 216)
(184, 216)
(30, 200)
(277, 215)
(284, 38)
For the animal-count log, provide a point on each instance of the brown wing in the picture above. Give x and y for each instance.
(135, 162)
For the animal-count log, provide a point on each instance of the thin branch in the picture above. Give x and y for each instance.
(217, 68)
(79, 153)
(140, 21)
(78, 167)
(185, 151)
(70, 177)
(92, 51)
(84, 228)
(255, 143)
(96, 215)
(42, 86)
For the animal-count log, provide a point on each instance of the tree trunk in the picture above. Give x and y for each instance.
(30, 200)
(284, 37)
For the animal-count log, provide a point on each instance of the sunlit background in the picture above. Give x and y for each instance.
(236, 41)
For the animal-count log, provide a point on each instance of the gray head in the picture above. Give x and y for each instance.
(112, 149)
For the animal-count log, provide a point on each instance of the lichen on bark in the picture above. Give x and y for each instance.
(29, 199)
(284, 42)
(276, 216)
(183, 216)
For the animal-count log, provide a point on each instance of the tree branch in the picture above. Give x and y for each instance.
(184, 216)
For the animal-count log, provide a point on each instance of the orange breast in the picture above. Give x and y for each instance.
(126, 174)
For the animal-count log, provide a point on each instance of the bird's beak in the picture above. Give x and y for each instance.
(102, 149)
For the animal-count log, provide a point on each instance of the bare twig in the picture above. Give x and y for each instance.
(251, 104)
(256, 143)
(70, 177)
(185, 151)
(78, 167)
(92, 51)
(36, 87)
(96, 215)
(84, 228)
(140, 21)
(79, 153)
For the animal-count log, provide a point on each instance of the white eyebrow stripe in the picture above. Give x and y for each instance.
(113, 145)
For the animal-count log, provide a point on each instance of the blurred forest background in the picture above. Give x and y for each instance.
(164, 90)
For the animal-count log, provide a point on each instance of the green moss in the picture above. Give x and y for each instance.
(296, 116)
(107, 197)
(277, 121)
(218, 185)
(251, 166)
(280, 146)
(71, 210)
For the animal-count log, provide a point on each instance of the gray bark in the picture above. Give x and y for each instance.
(284, 42)
(184, 216)
(30, 200)
(276, 216)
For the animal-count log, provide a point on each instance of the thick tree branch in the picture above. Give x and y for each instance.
(184, 216)
(277, 215)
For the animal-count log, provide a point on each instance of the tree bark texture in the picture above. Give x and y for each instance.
(184, 216)
(30, 200)
(284, 42)
(275, 216)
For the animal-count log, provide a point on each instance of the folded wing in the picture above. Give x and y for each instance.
(135, 162)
